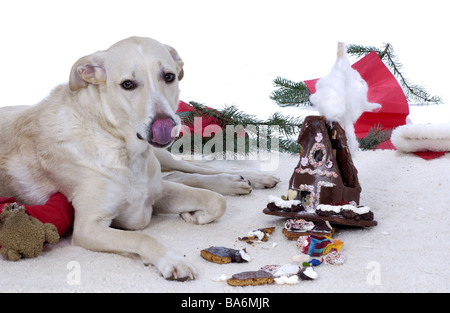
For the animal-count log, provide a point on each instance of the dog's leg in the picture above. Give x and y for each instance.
(92, 231)
(225, 184)
(195, 205)
(257, 179)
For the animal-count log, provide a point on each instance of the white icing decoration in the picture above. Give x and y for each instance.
(304, 161)
(329, 164)
(319, 137)
(245, 255)
(316, 172)
(283, 203)
(256, 233)
(327, 208)
(338, 208)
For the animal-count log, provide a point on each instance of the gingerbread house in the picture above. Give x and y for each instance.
(325, 173)
(324, 184)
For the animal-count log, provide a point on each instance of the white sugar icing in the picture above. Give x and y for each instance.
(283, 203)
(338, 208)
(256, 233)
(245, 255)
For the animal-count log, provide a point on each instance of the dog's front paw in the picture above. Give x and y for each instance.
(228, 184)
(173, 267)
(260, 180)
(234, 185)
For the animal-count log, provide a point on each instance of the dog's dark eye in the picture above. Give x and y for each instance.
(169, 77)
(128, 85)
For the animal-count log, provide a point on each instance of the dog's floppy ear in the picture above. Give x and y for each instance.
(176, 57)
(88, 70)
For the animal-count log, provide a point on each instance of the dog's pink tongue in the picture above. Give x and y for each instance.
(162, 131)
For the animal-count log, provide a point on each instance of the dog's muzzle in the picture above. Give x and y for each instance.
(161, 132)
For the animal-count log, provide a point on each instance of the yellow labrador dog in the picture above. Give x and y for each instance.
(97, 139)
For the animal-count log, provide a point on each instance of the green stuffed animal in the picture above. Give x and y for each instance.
(22, 235)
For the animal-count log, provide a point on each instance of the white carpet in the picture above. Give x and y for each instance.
(407, 252)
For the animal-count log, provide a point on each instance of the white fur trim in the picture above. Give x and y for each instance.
(422, 137)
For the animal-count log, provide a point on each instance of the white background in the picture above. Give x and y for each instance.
(232, 49)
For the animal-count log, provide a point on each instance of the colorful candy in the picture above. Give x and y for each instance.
(317, 246)
(334, 258)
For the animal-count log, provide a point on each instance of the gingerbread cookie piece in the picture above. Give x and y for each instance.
(252, 278)
(322, 228)
(261, 234)
(295, 228)
(222, 255)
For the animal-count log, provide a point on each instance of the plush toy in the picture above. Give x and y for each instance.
(19, 224)
(57, 211)
(22, 235)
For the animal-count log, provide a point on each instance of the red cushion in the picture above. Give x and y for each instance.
(199, 125)
(57, 211)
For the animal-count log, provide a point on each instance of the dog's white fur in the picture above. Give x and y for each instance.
(89, 139)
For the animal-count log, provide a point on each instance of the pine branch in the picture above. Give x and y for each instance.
(289, 125)
(200, 110)
(288, 128)
(234, 116)
(375, 137)
(361, 51)
(255, 128)
(290, 93)
(389, 57)
(231, 115)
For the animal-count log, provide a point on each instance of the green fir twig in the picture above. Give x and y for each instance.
(255, 129)
(413, 92)
(375, 137)
(290, 93)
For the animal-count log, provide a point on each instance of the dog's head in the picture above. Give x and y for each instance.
(138, 79)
